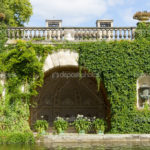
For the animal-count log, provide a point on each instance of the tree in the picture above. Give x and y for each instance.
(15, 12)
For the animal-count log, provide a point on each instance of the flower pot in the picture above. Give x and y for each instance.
(100, 132)
(43, 132)
(82, 132)
(60, 131)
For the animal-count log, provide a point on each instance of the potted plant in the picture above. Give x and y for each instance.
(82, 124)
(142, 16)
(41, 126)
(60, 125)
(99, 126)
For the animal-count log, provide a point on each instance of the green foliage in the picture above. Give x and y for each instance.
(60, 124)
(99, 124)
(143, 31)
(22, 64)
(3, 37)
(40, 126)
(116, 64)
(82, 123)
(16, 138)
(16, 12)
(119, 64)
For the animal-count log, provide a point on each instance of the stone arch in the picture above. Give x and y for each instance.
(143, 88)
(67, 61)
(60, 59)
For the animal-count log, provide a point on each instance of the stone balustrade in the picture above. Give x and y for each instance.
(71, 34)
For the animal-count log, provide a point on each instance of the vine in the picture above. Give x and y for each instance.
(118, 64)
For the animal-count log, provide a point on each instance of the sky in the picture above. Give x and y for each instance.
(84, 13)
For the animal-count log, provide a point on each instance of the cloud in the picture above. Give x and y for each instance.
(73, 11)
(115, 2)
(82, 12)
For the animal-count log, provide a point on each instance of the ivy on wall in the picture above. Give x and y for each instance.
(118, 64)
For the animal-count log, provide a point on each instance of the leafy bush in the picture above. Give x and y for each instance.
(82, 123)
(16, 137)
(143, 31)
(41, 126)
(60, 124)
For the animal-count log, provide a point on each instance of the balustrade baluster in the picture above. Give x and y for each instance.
(61, 34)
(44, 35)
(99, 34)
(53, 36)
(22, 33)
(89, 34)
(95, 34)
(125, 35)
(79, 35)
(129, 33)
(30, 34)
(17, 33)
(107, 34)
(35, 36)
(39, 33)
(13, 33)
(48, 34)
(56, 34)
(111, 34)
(26, 33)
(103, 33)
(116, 35)
(120, 33)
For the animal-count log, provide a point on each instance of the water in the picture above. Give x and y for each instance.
(82, 146)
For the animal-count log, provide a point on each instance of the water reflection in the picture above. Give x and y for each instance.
(81, 146)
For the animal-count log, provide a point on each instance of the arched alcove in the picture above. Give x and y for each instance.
(143, 91)
(65, 94)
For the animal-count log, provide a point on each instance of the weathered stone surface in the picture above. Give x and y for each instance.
(55, 59)
(61, 59)
(76, 138)
(48, 64)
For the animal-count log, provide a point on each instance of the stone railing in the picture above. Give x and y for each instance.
(71, 34)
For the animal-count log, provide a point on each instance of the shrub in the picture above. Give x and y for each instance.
(41, 126)
(16, 137)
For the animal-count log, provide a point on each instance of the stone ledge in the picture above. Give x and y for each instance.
(76, 138)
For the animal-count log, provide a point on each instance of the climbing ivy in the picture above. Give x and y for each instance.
(3, 37)
(117, 64)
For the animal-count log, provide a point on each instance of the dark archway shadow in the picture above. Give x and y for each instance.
(65, 94)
